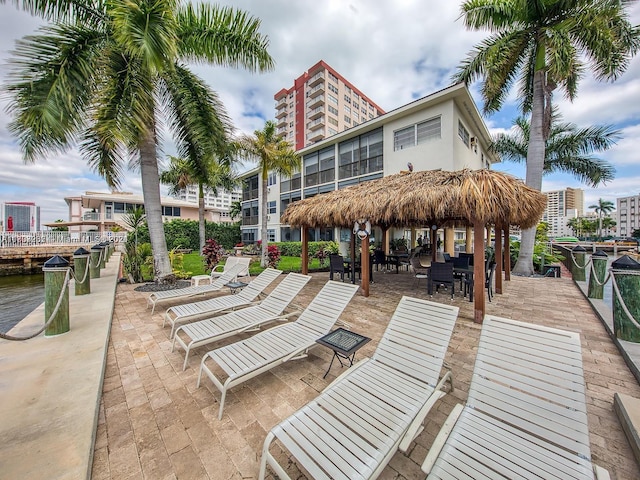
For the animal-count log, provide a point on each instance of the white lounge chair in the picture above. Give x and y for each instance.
(247, 319)
(187, 292)
(220, 269)
(190, 311)
(526, 414)
(244, 360)
(357, 424)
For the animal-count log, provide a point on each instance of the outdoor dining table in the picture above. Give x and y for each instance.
(396, 258)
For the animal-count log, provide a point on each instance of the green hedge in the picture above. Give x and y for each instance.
(185, 234)
(294, 249)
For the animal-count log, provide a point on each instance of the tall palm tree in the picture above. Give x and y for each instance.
(542, 44)
(105, 73)
(182, 173)
(273, 154)
(568, 148)
(603, 207)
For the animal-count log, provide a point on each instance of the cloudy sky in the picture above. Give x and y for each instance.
(394, 52)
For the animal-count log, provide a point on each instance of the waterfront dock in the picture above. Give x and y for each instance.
(153, 422)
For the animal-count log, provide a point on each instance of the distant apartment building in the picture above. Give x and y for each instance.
(19, 217)
(321, 103)
(443, 131)
(628, 215)
(101, 212)
(219, 205)
(562, 206)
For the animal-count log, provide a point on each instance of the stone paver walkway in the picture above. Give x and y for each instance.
(155, 424)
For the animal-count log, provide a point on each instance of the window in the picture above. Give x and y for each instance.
(327, 158)
(250, 188)
(347, 109)
(356, 107)
(347, 119)
(271, 208)
(416, 134)
(333, 110)
(310, 162)
(271, 235)
(333, 121)
(332, 77)
(290, 124)
(332, 99)
(404, 138)
(332, 131)
(333, 88)
(272, 179)
(347, 99)
(171, 211)
(463, 133)
(363, 109)
(288, 184)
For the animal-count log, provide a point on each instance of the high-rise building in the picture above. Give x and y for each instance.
(20, 217)
(562, 205)
(219, 205)
(321, 103)
(628, 210)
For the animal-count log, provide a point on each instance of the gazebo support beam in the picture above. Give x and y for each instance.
(365, 264)
(499, 256)
(507, 255)
(434, 245)
(478, 271)
(305, 250)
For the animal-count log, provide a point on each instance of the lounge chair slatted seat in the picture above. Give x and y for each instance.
(190, 311)
(356, 425)
(184, 293)
(244, 360)
(213, 329)
(525, 416)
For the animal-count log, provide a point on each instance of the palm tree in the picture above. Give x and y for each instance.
(182, 173)
(273, 154)
(235, 210)
(608, 223)
(603, 207)
(542, 44)
(568, 148)
(105, 73)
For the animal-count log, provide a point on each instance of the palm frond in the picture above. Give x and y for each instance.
(196, 117)
(51, 84)
(223, 36)
(72, 11)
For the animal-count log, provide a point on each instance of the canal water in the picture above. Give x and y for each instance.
(19, 296)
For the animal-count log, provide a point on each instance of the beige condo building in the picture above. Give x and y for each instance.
(321, 103)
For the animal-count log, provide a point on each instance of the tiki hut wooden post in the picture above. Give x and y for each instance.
(305, 250)
(478, 271)
(364, 265)
(434, 243)
(499, 257)
(507, 255)
(468, 240)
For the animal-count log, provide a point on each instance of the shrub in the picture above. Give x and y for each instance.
(212, 253)
(273, 255)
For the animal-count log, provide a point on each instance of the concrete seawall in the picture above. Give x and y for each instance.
(51, 388)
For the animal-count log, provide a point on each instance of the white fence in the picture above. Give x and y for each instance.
(27, 239)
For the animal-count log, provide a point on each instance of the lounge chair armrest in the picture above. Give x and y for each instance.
(441, 438)
(215, 269)
(601, 473)
(416, 425)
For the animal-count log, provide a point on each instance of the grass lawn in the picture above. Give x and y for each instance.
(193, 263)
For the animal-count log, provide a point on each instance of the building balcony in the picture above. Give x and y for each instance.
(315, 102)
(316, 124)
(317, 90)
(316, 79)
(316, 136)
(282, 122)
(281, 113)
(281, 103)
(315, 113)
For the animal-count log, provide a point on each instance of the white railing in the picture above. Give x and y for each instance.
(25, 239)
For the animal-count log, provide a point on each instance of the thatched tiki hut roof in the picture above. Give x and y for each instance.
(421, 198)
(412, 199)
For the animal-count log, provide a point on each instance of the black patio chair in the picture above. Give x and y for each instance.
(336, 265)
(460, 263)
(379, 258)
(468, 255)
(490, 270)
(441, 274)
(447, 257)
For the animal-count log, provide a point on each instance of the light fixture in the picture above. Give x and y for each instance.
(434, 227)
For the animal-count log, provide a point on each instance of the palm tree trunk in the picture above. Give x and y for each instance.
(153, 208)
(535, 164)
(201, 225)
(264, 261)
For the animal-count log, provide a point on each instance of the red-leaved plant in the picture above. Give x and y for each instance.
(212, 253)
